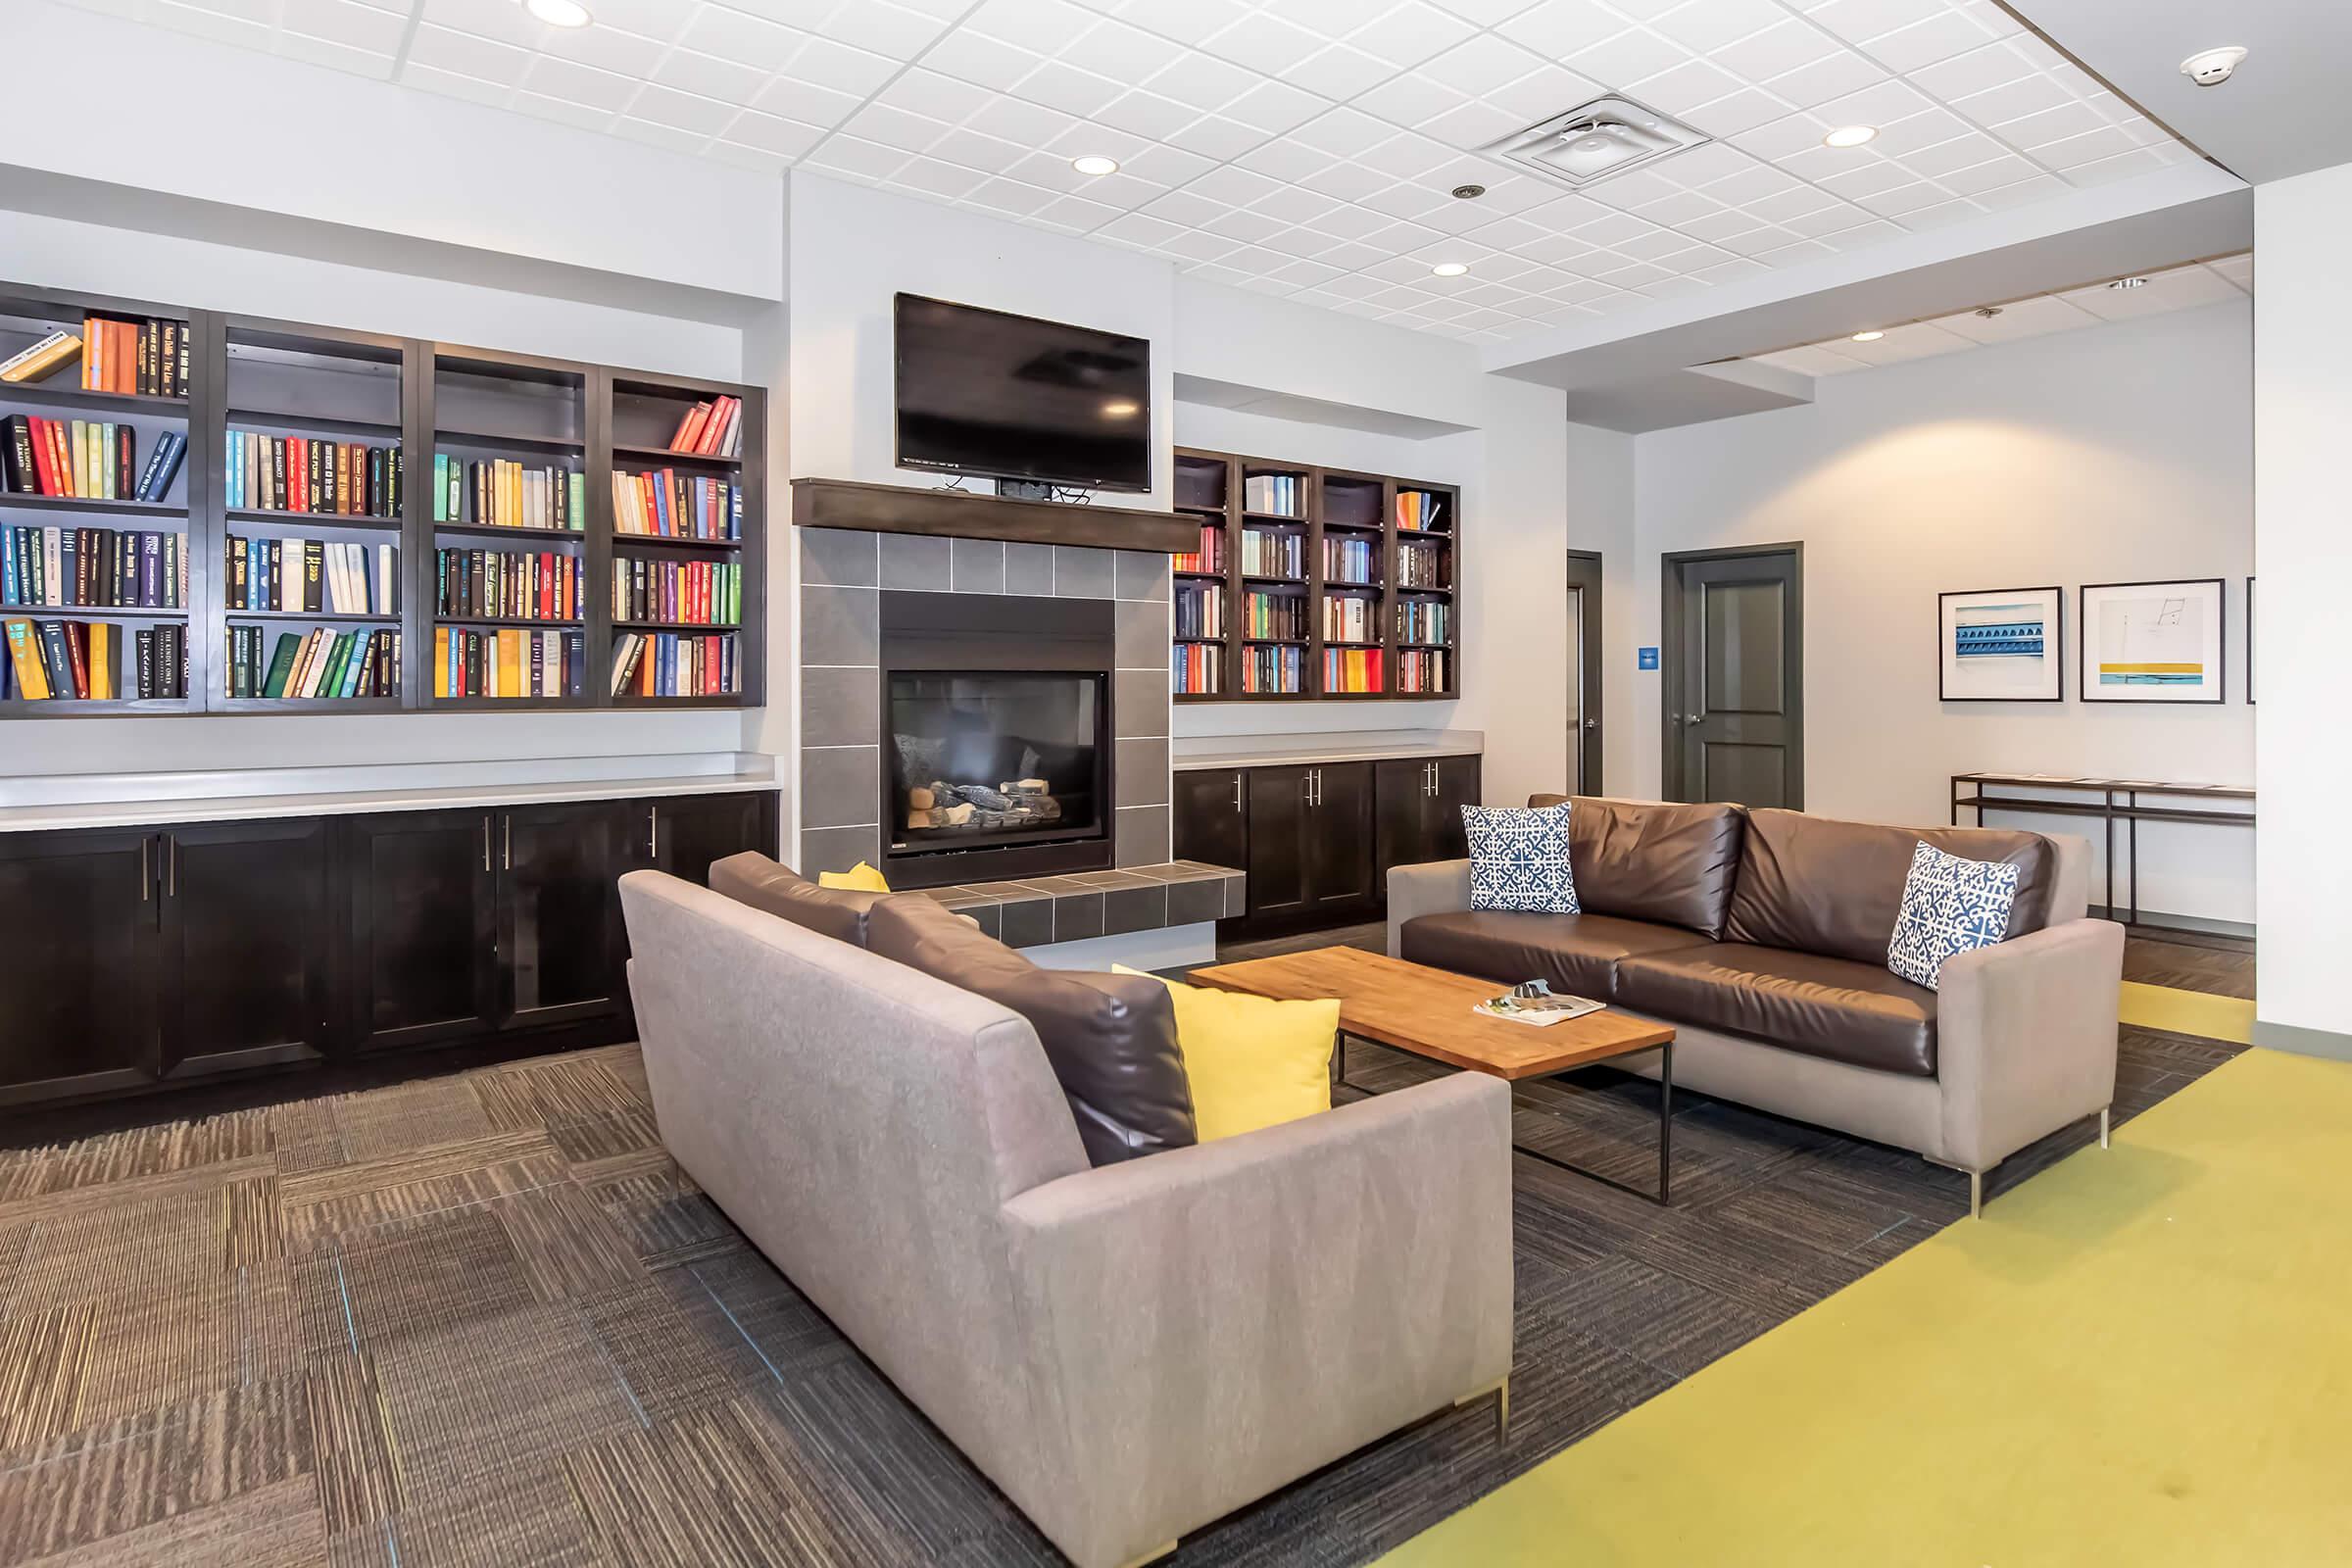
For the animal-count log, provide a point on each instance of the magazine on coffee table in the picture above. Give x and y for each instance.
(1532, 1003)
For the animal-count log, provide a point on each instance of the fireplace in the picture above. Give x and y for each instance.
(995, 738)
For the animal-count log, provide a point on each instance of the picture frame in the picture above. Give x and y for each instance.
(2165, 641)
(2001, 645)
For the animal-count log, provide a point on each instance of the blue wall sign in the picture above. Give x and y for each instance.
(1646, 658)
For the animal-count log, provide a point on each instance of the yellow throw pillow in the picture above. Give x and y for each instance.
(859, 878)
(1253, 1061)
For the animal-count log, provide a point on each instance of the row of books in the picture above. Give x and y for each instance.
(1273, 555)
(1273, 669)
(1352, 561)
(1351, 620)
(1352, 669)
(322, 662)
(93, 568)
(86, 460)
(1420, 511)
(700, 593)
(61, 661)
(1280, 494)
(1424, 670)
(508, 662)
(1197, 670)
(136, 359)
(1211, 556)
(509, 585)
(501, 493)
(1419, 566)
(317, 575)
(711, 429)
(676, 664)
(1273, 616)
(1423, 620)
(1199, 610)
(303, 473)
(668, 506)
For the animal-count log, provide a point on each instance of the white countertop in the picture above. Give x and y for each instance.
(1198, 752)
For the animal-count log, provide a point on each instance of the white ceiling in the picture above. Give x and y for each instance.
(1305, 147)
(2178, 288)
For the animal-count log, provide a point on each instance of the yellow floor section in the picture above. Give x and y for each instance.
(2188, 1012)
(2141, 1356)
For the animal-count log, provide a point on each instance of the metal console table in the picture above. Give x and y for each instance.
(2117, 801)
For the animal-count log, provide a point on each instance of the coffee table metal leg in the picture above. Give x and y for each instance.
(1665, 1116)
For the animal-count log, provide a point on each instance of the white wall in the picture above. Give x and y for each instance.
(2303, 418)
(1600, 518)
(2114, 454)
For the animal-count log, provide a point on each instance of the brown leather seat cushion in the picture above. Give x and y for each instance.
(1839, 1009)
(1576, 952)
(1818, 885)
(776, 889)
(1654, 859)
(1110, 1038)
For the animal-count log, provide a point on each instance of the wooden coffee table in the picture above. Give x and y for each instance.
(1409, 1006)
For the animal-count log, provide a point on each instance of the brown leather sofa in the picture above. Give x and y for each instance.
(1761, 936)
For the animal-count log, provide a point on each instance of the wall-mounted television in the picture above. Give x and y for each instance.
(1012, 397)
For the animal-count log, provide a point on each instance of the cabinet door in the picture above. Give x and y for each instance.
(1338, 838)
(683, 834)
(1212, 817)
(77, 960)
(424, 962)
(1400, 811)
(1278, 826)
(244, 940)
(1458, 785)
(559, 913)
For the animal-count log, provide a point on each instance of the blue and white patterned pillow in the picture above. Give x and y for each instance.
(1949, 906)
(1519, 858)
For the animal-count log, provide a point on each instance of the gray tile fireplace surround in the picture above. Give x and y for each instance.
(842, 575)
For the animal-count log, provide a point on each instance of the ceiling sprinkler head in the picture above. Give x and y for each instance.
(2212, 66)
(1989, 311)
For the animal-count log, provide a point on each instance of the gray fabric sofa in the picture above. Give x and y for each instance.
(1753, 934)
(1130, 1351)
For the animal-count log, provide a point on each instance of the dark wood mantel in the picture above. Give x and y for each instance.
(962, 515)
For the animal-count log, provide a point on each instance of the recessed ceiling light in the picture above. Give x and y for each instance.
(1849, 136)
(559, 13)
(2129, 282)
(1468, 193)
(2210, 68)
(1094, 164)
(1119, 409)
(1868, 337)
(1450, 268)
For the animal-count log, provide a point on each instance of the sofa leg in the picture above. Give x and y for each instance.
(1153, 1556)
(1502, 1406)
(2105, 1128)
(1976, 1195)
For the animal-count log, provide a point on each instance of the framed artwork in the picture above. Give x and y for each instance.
(2153, 642)
(2001, 645)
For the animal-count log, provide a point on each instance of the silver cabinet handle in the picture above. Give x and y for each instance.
(485, 841)
(652, 832)
(171, 865)
(146, 877)
(1237, 794)
(506, 846)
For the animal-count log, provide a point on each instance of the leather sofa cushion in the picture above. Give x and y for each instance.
(1654, 859)
(1111, 1039)
(776, 889)
(1818, 885)
(1578, 954)
(1838, 1009)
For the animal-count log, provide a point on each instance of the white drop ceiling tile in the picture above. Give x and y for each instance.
(892, 128)
(1089, 138)
(1839, 217)
(773, 133)
(1992, 174)
(2075, 151)
(1706, 26)
(1473, 124)
(1544, 93)
(1187, 208)
(1628, 57)
(1914, 133)
(659, 20)
(2123, 166)
(1203, 82)
(506, 24)
(758, 160)
(1401, 201)
(2048, 126)
(603, 91)
(1132, 228)
(2019, 318)
(562, 110)
(1017, 119)
(1683, 87)
(1276, 108)
(1167, 165)
(1683, 207)
(709, 77)
(378, 67)
(745, 40)
(842, 67)
(1911, 197)
(2014, 99)
(1793, 203)
(806, 101)
(1262, 42)
(929, 177)
(1787, 46)
(1113, 49)
(1018, 199)
(2040, 187)
(1800, 362)
(975, 150)
(885, 29)
(1403, 102)
(1199, 245)
(625, 54)
(1040, 27)
(1980, 69)
(1245, 227)
(468, 55)
(1858, 20)
(1285, 159)
(1831, 77)
(1761, 241)
(653, 134)
(1924, 43)
(988, 62)
(1704, 165)
(1349, 183)
(1077, 214)
(340, 21)
(1325, 19)
(1964, 151)
(927, 92)
(1758, 181)
(1804, 250)
(1782, 137)
(1410, 33)
(1067, 88)
(1339, 72)
(2178, 289)
(1480, 65)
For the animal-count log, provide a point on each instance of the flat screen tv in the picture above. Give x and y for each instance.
(1012, 397)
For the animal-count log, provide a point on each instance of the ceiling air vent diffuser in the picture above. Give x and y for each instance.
(1595, 141)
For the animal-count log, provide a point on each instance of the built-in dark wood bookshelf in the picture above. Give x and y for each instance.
(1313, 584)
(258, 379)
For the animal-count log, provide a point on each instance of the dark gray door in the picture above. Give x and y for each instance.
(1733, 688)
(1584, 672)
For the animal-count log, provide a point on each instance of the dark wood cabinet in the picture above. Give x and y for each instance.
(1276, 860)
(1420, 811)
(78, 964)
(682, 834)
(1212, 817)
(422, 966)
(559, 913)
(1309, 842)
(243, 977)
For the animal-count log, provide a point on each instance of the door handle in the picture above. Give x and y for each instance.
(1694, 718)
(485, 841)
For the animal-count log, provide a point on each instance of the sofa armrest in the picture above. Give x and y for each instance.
(2025, 1035)
(1210, 1323)
(1438, 886)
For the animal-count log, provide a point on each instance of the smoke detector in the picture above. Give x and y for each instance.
(2213, 67)
(1595, 141)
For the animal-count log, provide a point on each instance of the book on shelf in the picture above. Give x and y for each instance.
(508, 663)
(1350, 618)
(1423, 670)
(1273, 669)
(666, 664)
(710, 429)
(1280, 494)
(86, 460)
(501, 493)
(1199, 610)
(37, 360)
(1273, 555)
(1352, 669)
(79, 660)
(1352, 561)
(1423, 620)
(131, 359)
(666, 505)
(1420, 511)
(1421, 564)
(322, 662)
(700, 593)
(312, 576)
(65, 567)
(1197, 670)
(1211, 556)
(265, 473)
(1266, 614)
(509, 585)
